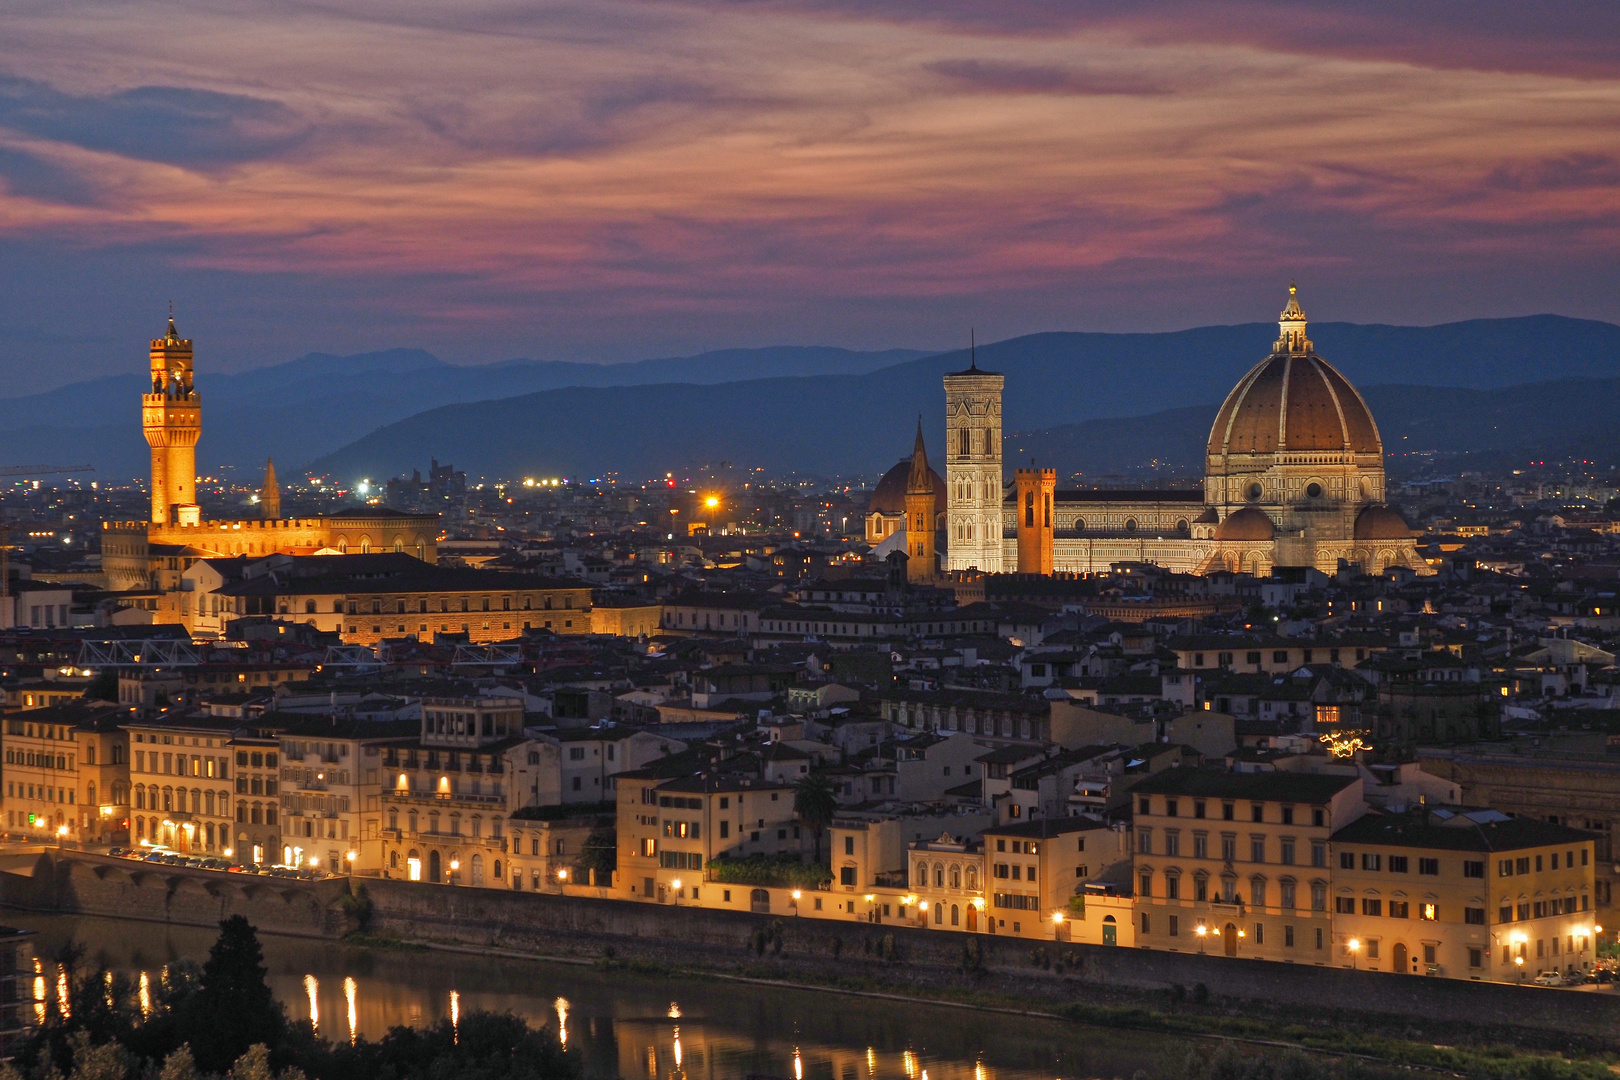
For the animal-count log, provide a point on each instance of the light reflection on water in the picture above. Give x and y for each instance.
(635, 1026)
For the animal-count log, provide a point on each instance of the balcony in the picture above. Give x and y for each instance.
(445, 797)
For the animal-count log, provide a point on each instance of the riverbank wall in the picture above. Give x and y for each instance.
(899, 958)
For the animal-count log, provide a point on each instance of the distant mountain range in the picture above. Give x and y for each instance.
(861, 423)
(833, 411)
(1493, 428)
(317, 403)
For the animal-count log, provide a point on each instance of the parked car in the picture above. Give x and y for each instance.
(1550, 978)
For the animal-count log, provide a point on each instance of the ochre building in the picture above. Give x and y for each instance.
(135, 553)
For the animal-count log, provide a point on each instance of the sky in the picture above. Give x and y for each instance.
(619, 179)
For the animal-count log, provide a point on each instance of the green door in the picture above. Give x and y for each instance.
(1110, 931)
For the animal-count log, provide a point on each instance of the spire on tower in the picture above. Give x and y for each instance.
(270, 494)
(1291, 326)
(920, 481)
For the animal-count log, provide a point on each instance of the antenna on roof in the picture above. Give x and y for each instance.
(973, 350)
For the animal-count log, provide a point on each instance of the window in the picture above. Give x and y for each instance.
(1521, 866)
(1287, 890)
(1145, 923)
(1398, 909)
(1144, 806)
(1144, 841)
(1371, 905)
(846, 875)
(1371, 861)
(1229, 848)
(1344, 905)
(1476, 957)
(1397, 864)
(1319, 855)
(1347, 860)
(1169, 808)
(1257, 811)
(1144, 884)
(1228, 811)
(1198, 808)
(1175, 926)
(1286, 854)
(1288, 815)
(1473, 868)
(1172, 886)
(1257, 849)
(1288, 936)
(849, 845)
(1504, 868)
(1172, 843)
(1474, 916)
(1429, 866)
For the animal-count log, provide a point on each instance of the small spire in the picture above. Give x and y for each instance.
(920, 481)
(173, 334)
(973, 350)
(1291, 326)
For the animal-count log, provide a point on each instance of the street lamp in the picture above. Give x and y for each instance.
(1354, 945)
(1202, 931)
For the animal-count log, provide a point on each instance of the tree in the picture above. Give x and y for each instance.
(815, 800)
(600, 853)
(233, 1007)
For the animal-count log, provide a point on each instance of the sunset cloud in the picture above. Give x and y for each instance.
(622, 178)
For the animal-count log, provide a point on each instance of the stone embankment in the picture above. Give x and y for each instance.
(898, 957)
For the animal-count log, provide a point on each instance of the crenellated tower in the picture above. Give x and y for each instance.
(171, 419)
(1035, 489)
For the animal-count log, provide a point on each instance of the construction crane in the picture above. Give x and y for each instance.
(5, 527)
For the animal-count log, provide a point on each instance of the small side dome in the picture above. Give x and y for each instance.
(1382, 523)
(1248, 523)
(889, 497)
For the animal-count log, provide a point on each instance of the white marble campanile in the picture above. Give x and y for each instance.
(973, 470)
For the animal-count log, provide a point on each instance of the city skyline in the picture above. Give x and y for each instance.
(621, 181)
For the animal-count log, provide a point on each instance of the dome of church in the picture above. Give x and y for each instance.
(1293, 401)
(1382, 523)
(889, 497)
(1248, 523)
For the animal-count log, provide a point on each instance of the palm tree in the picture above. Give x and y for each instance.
(815, 800)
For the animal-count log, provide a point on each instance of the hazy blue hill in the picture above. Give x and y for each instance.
(318, 402)
(1500, 427)
(811, 409)
(861, 423)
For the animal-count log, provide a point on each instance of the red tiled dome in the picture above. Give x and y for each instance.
(1382, 523)
(1248, 523)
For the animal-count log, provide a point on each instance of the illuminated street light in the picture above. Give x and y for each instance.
(562, 875)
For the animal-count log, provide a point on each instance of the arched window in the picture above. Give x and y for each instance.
(921, 880)
(939, 875)
(343, 545)
(972, 877)
(956, 877)
(365, 545)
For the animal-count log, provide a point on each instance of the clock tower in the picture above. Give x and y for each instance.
(171, 419)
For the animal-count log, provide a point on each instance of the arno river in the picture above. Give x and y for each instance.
(640, 1027)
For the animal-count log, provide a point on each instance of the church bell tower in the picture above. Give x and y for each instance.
(171, 419)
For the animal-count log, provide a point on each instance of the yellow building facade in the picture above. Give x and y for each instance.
(1457, 893)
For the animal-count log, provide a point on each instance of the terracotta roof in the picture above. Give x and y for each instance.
(889, 497)
(1248, 523)
(1291, 401)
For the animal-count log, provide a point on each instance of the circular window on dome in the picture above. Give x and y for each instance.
(1079, 525)
(1181, 526)
(1313, 490)
(1130, 524)
(1255, 491)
